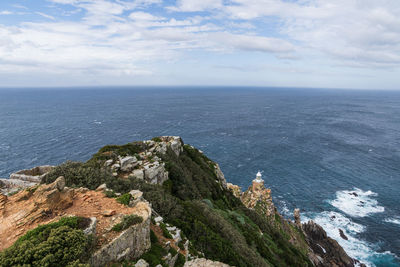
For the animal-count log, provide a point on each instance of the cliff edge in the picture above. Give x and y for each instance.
(158, 202)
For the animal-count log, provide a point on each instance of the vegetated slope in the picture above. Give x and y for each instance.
(217, 223)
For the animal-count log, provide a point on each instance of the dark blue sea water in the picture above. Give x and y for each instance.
(315, 147)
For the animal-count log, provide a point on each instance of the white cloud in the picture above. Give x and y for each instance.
(6, 12)
(366, 32)
(253, 43)
(46, 15)
(196, 5)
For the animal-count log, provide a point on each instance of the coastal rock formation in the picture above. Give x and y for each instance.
(325, 250)
(258, 197)
(24, 179)
(196, 214)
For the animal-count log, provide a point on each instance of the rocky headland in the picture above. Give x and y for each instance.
(151, 203)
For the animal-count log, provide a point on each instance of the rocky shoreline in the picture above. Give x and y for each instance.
(25, 202)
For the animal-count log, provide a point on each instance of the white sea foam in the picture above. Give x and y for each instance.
(333, 221)
(357, 203)
(395, 220)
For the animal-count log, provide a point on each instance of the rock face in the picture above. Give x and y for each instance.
(205, 263)
(259, 198)
(32, 175)
(220, 175)
(325, 250)
(48, 203)
(297, 219)
(235, 189)
(24, 179)
(131, 243)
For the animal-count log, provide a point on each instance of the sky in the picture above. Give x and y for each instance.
(272, 43)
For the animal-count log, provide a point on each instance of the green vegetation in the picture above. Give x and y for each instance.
(215, 221)
(126, 222)
(156, 139)
(56, 244)
(156, 252)
(124, 199)
(166, 233)
(79, 174)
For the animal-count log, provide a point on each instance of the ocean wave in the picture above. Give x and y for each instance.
(395, 220)
(356, 248)
(357, 203)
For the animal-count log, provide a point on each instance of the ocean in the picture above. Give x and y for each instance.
(335, 154)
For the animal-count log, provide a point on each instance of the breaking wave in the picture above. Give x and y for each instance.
(357, 203)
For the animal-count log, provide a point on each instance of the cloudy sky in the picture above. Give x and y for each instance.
(303, 43)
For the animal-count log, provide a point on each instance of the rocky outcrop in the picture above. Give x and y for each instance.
(205, 263)
(44, 204)
(130, 244)
(259, 198)
(220, 175)
(23, 179)
(235, 189)
(296, 215)
(325, 251)
(32, 175)
(147, 165)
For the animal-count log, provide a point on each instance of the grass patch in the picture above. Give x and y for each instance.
(126, 222)
(124, 199)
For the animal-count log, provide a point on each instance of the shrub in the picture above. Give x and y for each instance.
(165, 231)
(55, 244)
(124, 199)
(156, 139)
(126, 222)
(156, 252)
(78, 174)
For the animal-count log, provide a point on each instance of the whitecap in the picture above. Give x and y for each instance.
(356, 248)
(395, 220)
(357, 203)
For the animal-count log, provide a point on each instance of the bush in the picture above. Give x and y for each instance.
(156, 139)
(126, 222)
(165, 231)
(78, 174)
(55, 244)
(156, 252)
(124, 199)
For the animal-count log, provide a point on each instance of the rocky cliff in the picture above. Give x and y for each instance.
(152, 203)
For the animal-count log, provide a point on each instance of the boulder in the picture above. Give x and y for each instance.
(141, 263)
(139, 174)
(128, 163)
(155, 174)
(296, 215)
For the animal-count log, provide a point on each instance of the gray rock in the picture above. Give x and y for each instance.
(102, 187)
(220, 175)
(141, 263)
(108, 163)
(128, 163)
(130, 244)
(297, 219)
(60, 183)
(155, 174)
(91, 229)
(158, 219)
(139, 174)
(32, 175)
